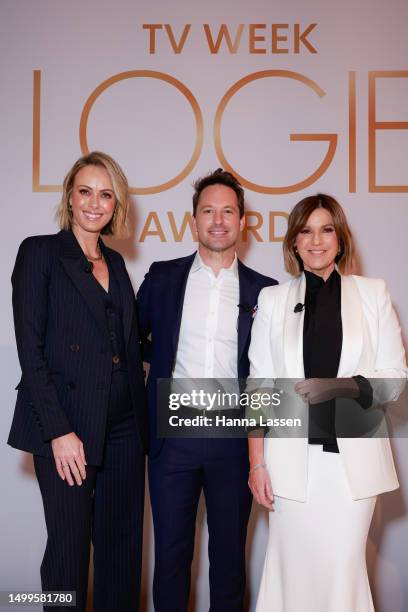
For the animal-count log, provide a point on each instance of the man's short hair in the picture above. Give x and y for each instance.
(219, 177)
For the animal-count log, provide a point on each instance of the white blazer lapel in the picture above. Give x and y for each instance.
(293, 329)
(352, 323)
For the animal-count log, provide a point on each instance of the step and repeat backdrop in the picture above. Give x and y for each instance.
(293, 97)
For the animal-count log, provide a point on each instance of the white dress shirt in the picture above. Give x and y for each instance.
(208, 340)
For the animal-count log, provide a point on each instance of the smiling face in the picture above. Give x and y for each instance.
(217, 221)
(317, 243)
(92, 200)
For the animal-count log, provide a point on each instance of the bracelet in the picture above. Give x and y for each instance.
(257, 466)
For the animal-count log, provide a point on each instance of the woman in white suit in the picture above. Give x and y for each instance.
(334, 332)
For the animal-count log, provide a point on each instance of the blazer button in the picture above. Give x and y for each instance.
(74, 348)
(115, 359)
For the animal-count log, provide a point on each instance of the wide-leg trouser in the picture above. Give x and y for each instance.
(107, 509)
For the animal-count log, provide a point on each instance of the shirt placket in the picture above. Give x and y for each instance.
(211, 326)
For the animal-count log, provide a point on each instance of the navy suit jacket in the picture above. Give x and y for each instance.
(160, 305)
(64, 347)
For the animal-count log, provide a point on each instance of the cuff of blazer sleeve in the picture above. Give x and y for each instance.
(365, 399)
(53, 428)
(146, 348)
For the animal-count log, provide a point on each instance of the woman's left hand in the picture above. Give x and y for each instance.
(318, 390)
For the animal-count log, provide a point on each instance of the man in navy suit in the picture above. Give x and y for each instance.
(198, 310)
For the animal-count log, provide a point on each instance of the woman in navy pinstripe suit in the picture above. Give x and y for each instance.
(80, 406)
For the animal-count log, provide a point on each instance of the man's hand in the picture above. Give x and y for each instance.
(69, 456)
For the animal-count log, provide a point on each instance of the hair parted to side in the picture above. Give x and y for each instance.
(298, 219)
(117, 224)
(219, 177)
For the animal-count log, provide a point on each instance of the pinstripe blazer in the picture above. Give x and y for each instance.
(64, 347)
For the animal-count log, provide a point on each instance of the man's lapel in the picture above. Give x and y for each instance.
(245, 306)
(175, 296)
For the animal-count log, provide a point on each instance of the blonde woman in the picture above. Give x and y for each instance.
(80, 404)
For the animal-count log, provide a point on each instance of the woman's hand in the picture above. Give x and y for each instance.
(318, 390)
(69, 456)
(260, 484)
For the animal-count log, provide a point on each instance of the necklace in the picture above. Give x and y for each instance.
(98, 257)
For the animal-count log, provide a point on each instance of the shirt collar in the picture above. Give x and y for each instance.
(315, 285)
(198, 264)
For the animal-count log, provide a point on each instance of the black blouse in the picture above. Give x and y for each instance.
(120, 403)
(322, 343)
(113, 309)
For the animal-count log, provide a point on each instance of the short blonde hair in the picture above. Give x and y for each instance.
(298, 219)
(117, 225)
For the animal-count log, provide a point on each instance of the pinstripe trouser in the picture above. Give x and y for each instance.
(107, 509)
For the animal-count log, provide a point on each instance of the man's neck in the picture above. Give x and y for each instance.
(216, 260)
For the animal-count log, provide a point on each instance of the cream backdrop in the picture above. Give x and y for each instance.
(151, 123)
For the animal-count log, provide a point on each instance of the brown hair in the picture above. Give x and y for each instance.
(298, 219)
(120, 188)
(219, 177)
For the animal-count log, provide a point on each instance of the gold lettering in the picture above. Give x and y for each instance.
(374, 125)
(187, 221)
(37, 187)
(161, 76)
(272, 225)
(223, 33)
(253, 38)
(253, 229)
(277, 39)
(177, 47)
(352, 132)
(330, 138)
(302, 38)
(152, 27)
(152, 219)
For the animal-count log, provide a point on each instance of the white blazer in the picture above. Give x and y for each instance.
(372, 347)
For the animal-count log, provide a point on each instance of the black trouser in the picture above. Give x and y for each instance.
(107, 508)
(179, 473)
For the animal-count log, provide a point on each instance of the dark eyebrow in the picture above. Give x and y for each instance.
(90, 188)
(325, 225)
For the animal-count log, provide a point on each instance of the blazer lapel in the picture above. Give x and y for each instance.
(175, 296)
(351, 318)
(293, 329)
(77, 267)
(246, 306)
